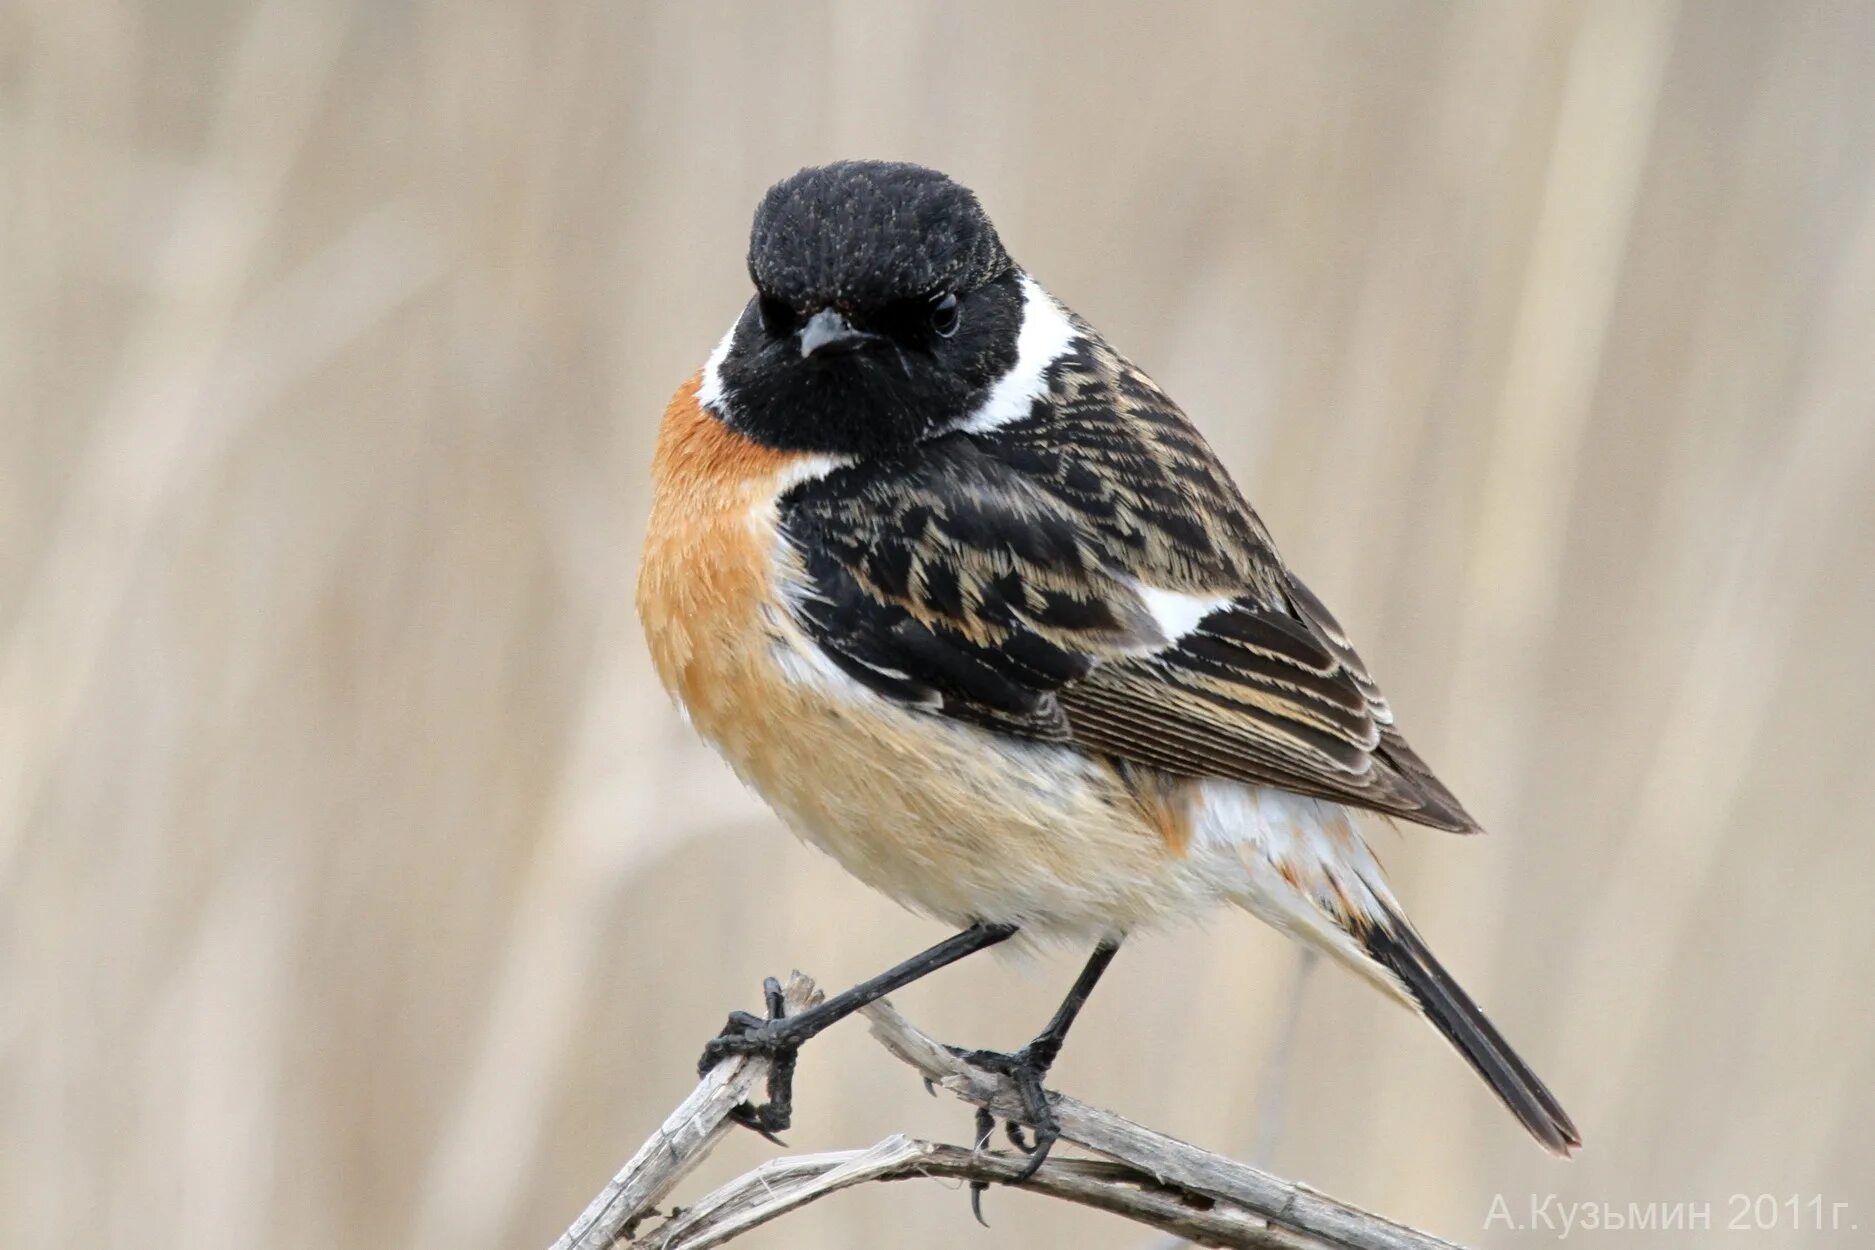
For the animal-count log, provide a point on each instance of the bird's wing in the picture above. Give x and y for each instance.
(1091, 577)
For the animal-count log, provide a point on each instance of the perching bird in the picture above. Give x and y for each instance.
(967, 599)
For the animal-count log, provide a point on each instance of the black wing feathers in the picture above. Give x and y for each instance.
(999, 579)
(946, 575)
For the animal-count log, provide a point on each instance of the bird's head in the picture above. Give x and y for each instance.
(885, 308)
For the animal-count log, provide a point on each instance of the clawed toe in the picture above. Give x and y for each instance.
(768, 1120)
(1025, 1071)
(986, 1127)
(745, 1033)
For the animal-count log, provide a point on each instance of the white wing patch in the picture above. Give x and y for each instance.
(1175, 612)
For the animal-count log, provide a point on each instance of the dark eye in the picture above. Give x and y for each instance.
(944, 316)
(778, 316)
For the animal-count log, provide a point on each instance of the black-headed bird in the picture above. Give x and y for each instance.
(971, 604)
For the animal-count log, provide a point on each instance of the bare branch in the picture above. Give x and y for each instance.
(683, 1140)
(783, 1185)
(1165, 1159)
(1161, 1182)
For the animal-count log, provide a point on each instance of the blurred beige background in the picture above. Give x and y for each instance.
(358, 888)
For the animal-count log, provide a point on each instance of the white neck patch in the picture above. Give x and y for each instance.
(1045, 337)
(710, 390)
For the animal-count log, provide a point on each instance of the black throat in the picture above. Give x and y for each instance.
(881, 398)
(885, 308)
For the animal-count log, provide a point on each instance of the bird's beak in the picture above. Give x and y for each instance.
(828, 333)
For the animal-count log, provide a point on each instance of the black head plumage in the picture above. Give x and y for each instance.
(885, 308)
(861, 234)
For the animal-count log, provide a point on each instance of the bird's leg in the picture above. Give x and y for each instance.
(1025, 1069)
(774, 1115)
(779, 1037)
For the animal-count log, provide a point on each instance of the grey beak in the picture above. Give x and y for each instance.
(827, 332)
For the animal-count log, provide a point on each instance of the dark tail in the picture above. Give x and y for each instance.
(1399, 950)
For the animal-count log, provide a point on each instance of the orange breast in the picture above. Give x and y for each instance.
(958, 822)
(706, 586)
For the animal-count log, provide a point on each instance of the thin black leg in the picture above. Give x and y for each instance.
(1047, 1044)
(1027, 1067)
(780, 1037)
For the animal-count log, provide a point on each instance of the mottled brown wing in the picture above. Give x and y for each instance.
(999, 578)
(1253, 693)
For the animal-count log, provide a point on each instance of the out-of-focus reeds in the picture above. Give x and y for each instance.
(358, 887)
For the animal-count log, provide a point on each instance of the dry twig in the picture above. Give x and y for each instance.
(681, 1142)
(1146, 1176)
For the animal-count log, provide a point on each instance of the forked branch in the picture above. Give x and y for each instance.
(1145, 1176)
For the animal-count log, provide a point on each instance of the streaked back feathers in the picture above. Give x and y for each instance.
(966, 596)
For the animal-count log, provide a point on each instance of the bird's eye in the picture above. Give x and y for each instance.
(778, 316)
(944, 316)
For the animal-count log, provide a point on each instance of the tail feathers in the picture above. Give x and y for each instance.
(1401, 952)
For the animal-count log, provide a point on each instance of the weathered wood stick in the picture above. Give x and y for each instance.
(1164, 1159)
(1146, 1176)
(684, 1139)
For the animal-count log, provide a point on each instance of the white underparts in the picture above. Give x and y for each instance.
(1047, 333)
(1307, 870)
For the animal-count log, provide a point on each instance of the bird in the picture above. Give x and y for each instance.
(968, 600)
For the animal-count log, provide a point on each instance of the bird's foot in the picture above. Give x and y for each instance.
(1025, 1069)
(748, 1034)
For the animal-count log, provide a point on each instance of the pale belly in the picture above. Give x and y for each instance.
(958, 822)
(954, 821)
(964, 824)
